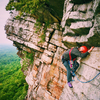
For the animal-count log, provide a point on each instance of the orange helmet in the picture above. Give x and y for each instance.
(83, 49)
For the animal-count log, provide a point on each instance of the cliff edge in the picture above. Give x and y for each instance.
(41, 53)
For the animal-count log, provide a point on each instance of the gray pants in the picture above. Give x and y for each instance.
(73, 69)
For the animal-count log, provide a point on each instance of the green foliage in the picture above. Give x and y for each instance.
(42, 38)
(28, 60)
(26, 6)
(30, 56)
(25, 64)
(45, 11)
(18, 17)
(44, 27)
(12, 81)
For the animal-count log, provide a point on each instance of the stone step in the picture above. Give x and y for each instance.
(68, 31)
(79, 39)
(28, 44)
(76, 16)
(81, 27)
(81, 24)
(75, 39)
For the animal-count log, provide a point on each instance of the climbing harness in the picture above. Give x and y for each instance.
(71, 65)
(70, 60)
(86, 81)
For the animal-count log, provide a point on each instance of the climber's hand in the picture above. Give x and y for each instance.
(90, 49)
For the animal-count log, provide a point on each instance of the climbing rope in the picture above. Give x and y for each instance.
(86, 81)
(71, 65)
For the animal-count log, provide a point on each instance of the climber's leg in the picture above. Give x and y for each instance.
(69, 75)
(75, 66)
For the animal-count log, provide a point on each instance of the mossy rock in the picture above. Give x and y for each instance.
(81, 31)
(70, 44)
(98, 9)
(94, 40)
(57, 6)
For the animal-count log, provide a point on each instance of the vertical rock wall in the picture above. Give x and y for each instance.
(89, 68)
(41, 62)
(81, 23)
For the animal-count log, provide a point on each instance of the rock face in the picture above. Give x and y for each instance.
(88, 70)
(80, 22)
(41, 61)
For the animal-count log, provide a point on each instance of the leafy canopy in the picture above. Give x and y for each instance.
(26, 6)
(12, 80)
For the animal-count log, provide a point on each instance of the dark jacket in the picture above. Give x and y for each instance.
(74, 54)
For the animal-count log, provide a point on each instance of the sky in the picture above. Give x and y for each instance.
(4, 15)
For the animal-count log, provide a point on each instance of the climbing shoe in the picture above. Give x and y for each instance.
(70, 85)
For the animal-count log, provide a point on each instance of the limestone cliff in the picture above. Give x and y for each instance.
(41, 61)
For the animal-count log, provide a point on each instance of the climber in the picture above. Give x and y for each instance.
(69, 60)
